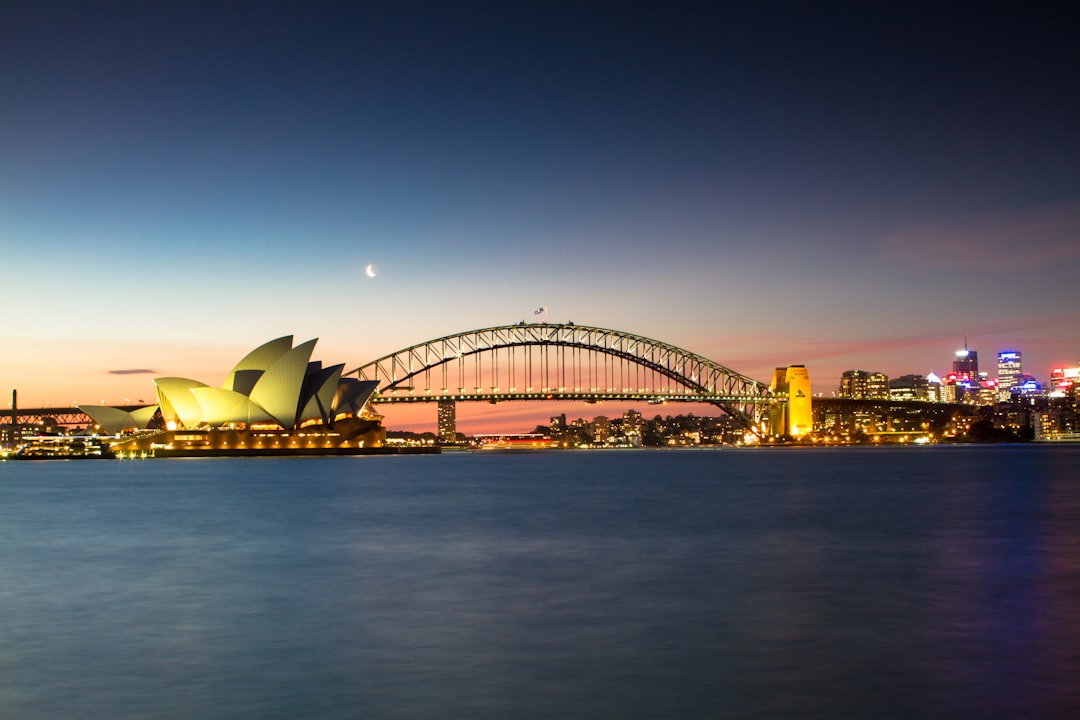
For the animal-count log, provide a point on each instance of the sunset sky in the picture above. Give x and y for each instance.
(840, 185)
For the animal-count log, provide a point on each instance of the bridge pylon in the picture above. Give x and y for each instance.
(794, 417)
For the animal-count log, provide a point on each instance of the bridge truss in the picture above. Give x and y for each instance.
(541, 361)
(69, 418)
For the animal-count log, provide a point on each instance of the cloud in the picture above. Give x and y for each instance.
(998, 242)
(133, 371)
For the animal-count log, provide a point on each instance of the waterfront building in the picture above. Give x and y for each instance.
(632, 426)
(275, 400)
(12, 435)
(795, 417)
(1057, 424)
(447, 420)
(600, 429)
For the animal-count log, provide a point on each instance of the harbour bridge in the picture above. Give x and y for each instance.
(542, 361)
(562, 361)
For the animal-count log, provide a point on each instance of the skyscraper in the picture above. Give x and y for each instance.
(1010, 370)
(447, 421)
(964, 378)
(966, 365)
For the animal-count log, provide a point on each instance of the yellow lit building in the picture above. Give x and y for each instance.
(276, 400)
(794, 417)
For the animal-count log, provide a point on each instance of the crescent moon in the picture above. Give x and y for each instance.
(369, 270)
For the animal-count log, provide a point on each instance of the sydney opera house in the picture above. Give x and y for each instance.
(275, 401)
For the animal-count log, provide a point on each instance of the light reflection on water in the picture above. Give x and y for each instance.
(842, 583)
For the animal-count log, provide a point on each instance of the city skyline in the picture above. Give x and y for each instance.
(480, 417)
(838, 187)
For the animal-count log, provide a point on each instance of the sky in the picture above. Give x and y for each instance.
(842, 185)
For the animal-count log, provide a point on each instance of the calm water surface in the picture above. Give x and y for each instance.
(938, 582)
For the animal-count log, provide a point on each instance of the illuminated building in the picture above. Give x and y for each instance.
(1064, 382)
(863, 385)
(987, 392)
(632, 425)
(11, 435)
(601, 428)
(1062, 378)
(934, 391)
(795, 417)
(276, 400)
(963, 382)
(924, 388)
(1010, 370)
(1026, 387)
(966, 364)
(447, 420)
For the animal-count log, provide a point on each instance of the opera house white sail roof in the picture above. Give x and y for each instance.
(274, 385)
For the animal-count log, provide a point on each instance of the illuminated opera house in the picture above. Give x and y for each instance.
(276, 400)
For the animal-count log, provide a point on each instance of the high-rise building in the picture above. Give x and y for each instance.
(447, 420)
(632, 424)
(1010, 371)
(632, 421)
(964, 378)
(966, 365)
(863, 385)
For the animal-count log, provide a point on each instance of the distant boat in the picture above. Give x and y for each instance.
(63, 448)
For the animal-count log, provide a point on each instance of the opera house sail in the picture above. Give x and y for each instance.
(276, 400)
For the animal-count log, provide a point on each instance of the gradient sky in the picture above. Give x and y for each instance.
(837, 185)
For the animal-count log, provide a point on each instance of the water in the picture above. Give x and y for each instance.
(937, 582)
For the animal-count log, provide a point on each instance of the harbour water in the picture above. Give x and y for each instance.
(933, 582)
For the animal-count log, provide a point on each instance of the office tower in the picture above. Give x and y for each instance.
(1010, 369)
(966, 365)
(964, 378)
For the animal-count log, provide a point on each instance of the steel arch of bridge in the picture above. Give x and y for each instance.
(489, 365)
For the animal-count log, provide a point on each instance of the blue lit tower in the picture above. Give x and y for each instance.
(1010, 370)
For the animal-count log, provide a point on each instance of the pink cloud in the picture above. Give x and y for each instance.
(999, 241)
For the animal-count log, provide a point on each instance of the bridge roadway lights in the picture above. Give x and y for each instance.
(575, 396)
